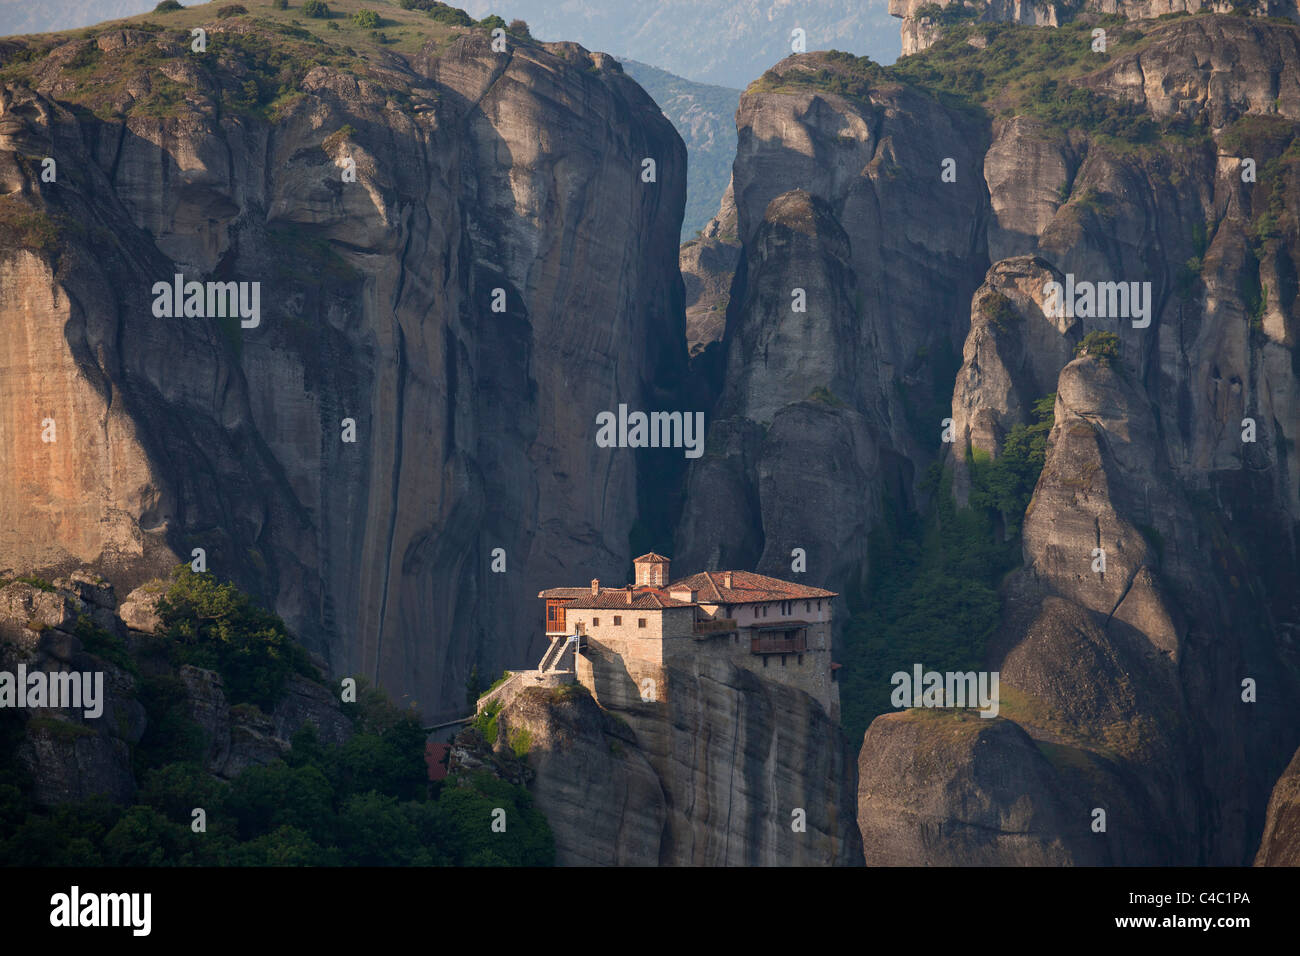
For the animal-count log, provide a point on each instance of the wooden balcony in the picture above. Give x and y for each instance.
(716, 625)
(791, 642)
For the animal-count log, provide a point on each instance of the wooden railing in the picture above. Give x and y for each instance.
(716, 625)
(779, 645)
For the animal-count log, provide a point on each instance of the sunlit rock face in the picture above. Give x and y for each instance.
(356, 456)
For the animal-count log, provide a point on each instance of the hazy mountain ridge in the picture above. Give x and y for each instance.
(24, 16)
(705, 116)
(724, 42)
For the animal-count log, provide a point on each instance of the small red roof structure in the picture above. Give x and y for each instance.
(435, 758)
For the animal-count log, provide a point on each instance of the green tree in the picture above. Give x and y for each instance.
(1103, 346)
(373, 831)
(283, 846)
(391, 763)
(931, 599)
(214, 625)
(444, 13)
(1007, 483)
(144, 837)
(264, 798)
(467, 811)
(68, 835)
(176, 789)
(170, 734)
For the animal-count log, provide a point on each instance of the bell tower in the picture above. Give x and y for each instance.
(651, 570)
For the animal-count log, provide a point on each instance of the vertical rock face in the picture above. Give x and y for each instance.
(843, 308)
(1003, 805)
(497, 274)
(708, 264)
(71, 753)
(1129, 687)
(1280, 845)
(1027, 167)
(724, 769)
(1011, 358)
(603, 801)
(1130, 677)
(239, 738)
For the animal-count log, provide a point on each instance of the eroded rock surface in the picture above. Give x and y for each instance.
(474, 428)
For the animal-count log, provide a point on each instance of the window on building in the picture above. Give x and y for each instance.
(595, 622)
(801, 660)
(640, 622)
(807, 607)
(617, 620)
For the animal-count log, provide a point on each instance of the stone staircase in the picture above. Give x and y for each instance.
(557, 666)
(564, 660)
(553, 654)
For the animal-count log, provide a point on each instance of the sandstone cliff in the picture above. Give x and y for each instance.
(475, 171)
(825, 371)
(1131, 680)
(725, 769)
(1280, 845)
(1129, 687)
(708, 264)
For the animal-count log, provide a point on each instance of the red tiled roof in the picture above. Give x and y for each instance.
(710, 588)
(747, 588)
(643, 599)
(567, 593)
(650, 558)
